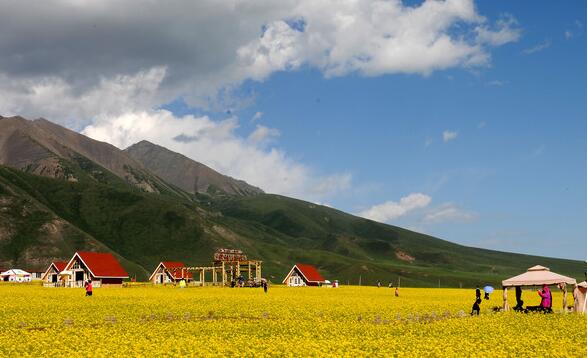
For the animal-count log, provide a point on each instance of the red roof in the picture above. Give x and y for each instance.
(310, 273)
(101, 264)
(174, 267)
(60, 265)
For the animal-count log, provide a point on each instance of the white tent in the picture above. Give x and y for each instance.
(537, 276)
(16, 275)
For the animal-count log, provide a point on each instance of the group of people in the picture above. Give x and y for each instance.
(240, 282)
(545, 301)
(390, 286)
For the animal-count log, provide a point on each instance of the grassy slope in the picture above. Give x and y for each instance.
(31, 234)
(143, 228)
(345, 246)
(147, 228)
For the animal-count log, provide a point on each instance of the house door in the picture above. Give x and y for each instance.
(79, 275)
(53, 278)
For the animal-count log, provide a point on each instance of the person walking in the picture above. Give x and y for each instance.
(378, 284)
(519, 302)
(477, 293)
(88, 288)
(265, 286)
(476, 308)
(397, 292)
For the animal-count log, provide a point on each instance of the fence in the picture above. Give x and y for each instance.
(71, 284)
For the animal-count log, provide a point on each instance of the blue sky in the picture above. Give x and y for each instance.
(461, 119)
(518, 159)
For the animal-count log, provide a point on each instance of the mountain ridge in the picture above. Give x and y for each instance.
(55, 199)
(185, 173)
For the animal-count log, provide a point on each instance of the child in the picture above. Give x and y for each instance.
(476, 307)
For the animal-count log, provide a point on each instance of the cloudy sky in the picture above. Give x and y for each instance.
(462, 119)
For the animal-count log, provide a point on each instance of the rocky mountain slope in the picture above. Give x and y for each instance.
(44, 148)
(185, 173)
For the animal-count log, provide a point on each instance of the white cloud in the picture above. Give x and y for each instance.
(108, 75)
(216, 144)
(61, 66)
(482, 125)
(505, 31)
(568, 34)
(56, 99)
(540, 47)
(497, 83)
(391, 210)
(257, 116)
(263, 134)
(448, 212)
(447, 135)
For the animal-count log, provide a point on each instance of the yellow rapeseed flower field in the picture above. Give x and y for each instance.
(348, 321)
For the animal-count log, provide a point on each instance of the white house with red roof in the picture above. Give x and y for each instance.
(170, 272)
(303, 275)
(101, 268)
(51, 275)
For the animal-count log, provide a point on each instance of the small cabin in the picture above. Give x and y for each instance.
(170, 272)
(15, 275)
(303, 275)
(51, 275)
(103, 269)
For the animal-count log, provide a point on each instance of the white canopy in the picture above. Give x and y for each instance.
(536, 276)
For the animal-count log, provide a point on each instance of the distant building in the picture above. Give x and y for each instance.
(15, 275)
(36, 275)
(51, 275)
(170, 272)
(303, 275)
(102, 268)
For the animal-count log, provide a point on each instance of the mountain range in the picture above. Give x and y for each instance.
(61, 191)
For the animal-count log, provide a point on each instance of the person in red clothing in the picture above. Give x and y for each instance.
(88, 288)
(546, 301)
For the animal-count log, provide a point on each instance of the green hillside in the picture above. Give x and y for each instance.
(43, 219)
(348, 247)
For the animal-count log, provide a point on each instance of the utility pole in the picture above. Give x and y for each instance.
(359, 280)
